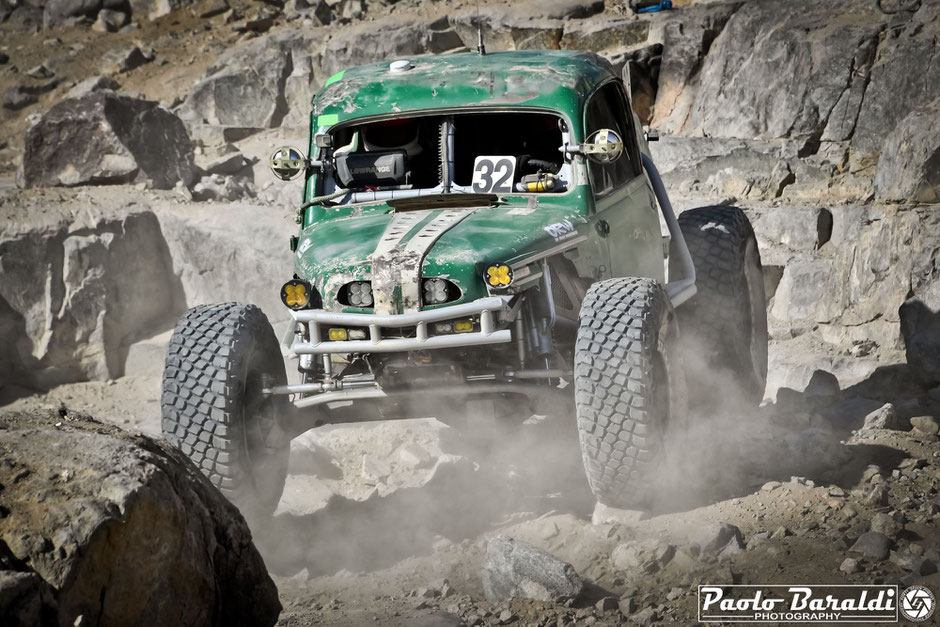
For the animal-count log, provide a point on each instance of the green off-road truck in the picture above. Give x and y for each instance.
(479, 234)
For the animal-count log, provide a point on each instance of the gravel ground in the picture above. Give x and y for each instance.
(375, 516)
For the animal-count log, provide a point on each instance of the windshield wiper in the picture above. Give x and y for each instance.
(444, 201)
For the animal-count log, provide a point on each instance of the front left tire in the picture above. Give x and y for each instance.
(629, 389)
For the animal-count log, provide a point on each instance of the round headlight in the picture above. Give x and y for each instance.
(359, 294)
(435, 291)
(298, 294)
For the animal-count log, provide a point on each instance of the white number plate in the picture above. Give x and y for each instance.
(493, 174)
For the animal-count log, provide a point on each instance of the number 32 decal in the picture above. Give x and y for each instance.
(493, 174)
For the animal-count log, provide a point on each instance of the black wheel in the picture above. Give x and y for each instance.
(629, 389)
(725, 323)
(220, 357)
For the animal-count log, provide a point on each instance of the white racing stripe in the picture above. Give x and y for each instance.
(395, 264)
(418, 247)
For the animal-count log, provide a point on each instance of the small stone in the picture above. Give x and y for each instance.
(675, 593)
(514, 569)
(780, 533)
(889, 525)
(869, 473)
(646, 616)
(756, 539)
(627, 605)
(770, 486)
(374, 470)
(886, 417)
(109, 21)
(506, 616)
(877, 495)
(872, 545)
(413, 456)
(716, 537)
(95, 83)
(933, 506)
(124, 59)
(604, 515)
(849, 566)
(913, 463)
(607, 604)
(40, 71)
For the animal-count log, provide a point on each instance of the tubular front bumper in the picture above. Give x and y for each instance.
(379, 342)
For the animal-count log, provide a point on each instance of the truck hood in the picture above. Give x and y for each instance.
(395, 250)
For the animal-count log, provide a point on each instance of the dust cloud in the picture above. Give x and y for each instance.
(487, 474)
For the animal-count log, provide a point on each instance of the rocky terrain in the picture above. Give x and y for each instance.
(133, 184)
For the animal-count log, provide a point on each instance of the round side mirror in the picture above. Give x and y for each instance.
(288, 163)
(603, 146)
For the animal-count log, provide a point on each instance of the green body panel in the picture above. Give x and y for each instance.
(340, 249)
(338, 244)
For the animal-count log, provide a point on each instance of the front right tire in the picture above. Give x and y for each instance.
(220, 357)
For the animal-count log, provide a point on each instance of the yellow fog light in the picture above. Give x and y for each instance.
(499, 275)
(463, 326)
(337, 335)
(296, 294)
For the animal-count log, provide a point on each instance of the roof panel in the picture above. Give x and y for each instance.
(559, 80)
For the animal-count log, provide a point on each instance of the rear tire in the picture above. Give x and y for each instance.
(726, 321)
(629, 389)
(212, 405)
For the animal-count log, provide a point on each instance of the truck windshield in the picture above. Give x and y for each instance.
(479, 153)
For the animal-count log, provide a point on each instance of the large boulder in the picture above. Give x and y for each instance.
(107, 138)
(101, 527)
(246, 86)
(58, 12)
(909, 164)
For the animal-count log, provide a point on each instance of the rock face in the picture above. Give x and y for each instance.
(110, 281)
(515, 569)
(903, 78)
(773, 74)
(115, 529)
(909, 165)
(111, 277)
(104, 137)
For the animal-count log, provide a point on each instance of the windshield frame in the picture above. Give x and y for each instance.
(314, 184)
